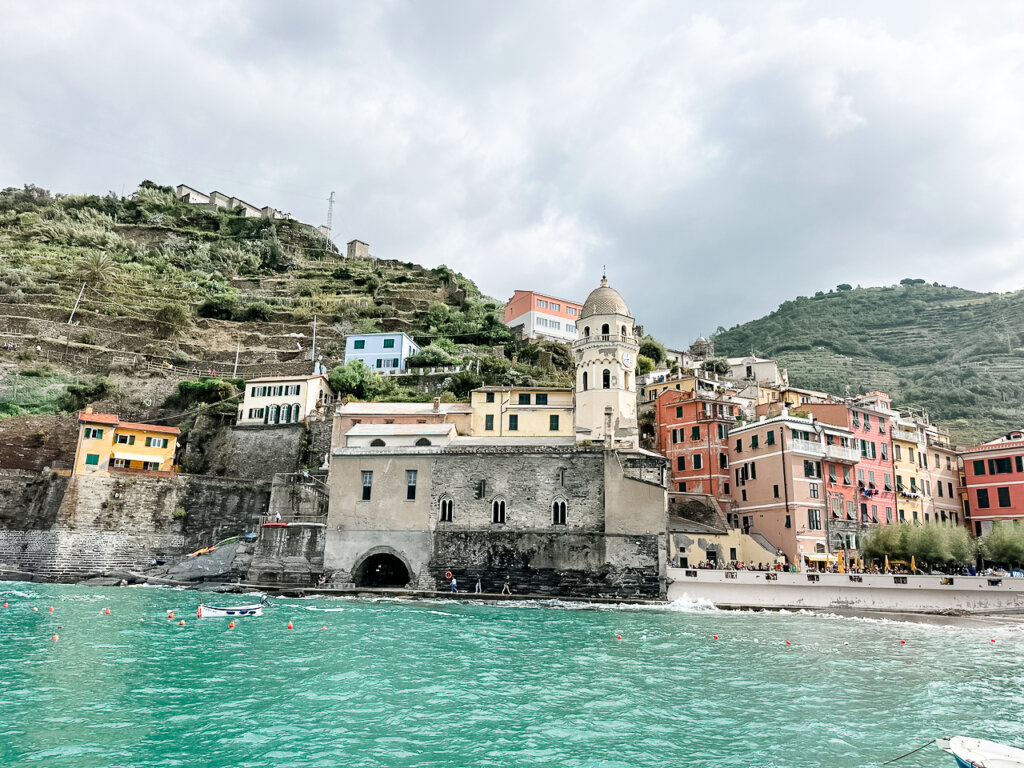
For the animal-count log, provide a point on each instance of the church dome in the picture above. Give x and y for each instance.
(604, 301)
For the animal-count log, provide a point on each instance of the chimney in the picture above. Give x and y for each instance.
(437, 405)
(88, 409)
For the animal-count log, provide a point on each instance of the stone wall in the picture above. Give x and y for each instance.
(71, 528)
(257, 452)
(583, 565)
(291, 555)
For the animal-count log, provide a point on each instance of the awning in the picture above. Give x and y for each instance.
(136, 457)
(816, 556)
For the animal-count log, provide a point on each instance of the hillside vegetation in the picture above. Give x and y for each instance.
(185, 287)
(953, 353)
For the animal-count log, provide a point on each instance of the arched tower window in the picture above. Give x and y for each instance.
(586, 330)
(446, 508)
(498, 511)
(377, 443)
(422, 442)
(623, 331)
(558, 507)
(625, 380)
(606, 379)
(584, 381)
(605, 329)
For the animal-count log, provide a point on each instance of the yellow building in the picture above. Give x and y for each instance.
(907, 444)
(105, 444)
(284, 399)
(522, 411)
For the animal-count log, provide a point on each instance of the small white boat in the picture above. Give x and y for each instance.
(229, 612)
(978, 753)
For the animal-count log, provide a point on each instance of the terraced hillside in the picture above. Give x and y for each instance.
(156, 284)
(957, 354)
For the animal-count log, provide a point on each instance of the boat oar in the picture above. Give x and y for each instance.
(926, 744)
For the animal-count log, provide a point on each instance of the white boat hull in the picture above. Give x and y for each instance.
(214, 612)
(979, 753)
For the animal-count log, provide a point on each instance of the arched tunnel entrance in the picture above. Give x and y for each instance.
(382, 570)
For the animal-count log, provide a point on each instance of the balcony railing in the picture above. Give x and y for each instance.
(903, 434)
(842, 453)
(807, 446)
(607, 338)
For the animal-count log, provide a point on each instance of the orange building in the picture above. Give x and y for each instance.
(542, 315)
(692, 432)
(107, 444)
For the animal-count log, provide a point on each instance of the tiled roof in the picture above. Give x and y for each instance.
(113, 420)
(149, 427)
(98, 418)
(310, 377)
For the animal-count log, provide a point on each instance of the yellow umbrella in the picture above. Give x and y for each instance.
(886, 563)
(913, 565)
(840, 562)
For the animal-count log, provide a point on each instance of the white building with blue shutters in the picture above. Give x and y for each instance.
(380, 351)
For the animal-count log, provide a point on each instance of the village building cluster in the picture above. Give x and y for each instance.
(599, 487)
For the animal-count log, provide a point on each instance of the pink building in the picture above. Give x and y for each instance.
(543, 316)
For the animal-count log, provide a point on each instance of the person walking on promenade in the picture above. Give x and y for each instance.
(479, 587)
(506, 589)
(455, 585)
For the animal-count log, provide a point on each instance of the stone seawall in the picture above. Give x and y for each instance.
(568, 565)
(291, 555)
(63, 529)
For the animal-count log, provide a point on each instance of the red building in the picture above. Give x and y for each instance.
(994, 482)
(692, 431)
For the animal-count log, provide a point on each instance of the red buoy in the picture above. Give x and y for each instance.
(715, 636)
(618, 637)
(231, 625)
(55, 638)
(992, 640)
(181, 623)
(323, 628)
(106, 611)
(289, 625)
(170, 614)
(903, 642)
(5, 605)
(787, 642)
(51, 609)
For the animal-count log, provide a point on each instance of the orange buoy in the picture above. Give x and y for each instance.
(170, 614)
(35, 609)
(323, 628)
(5, 605)
(55, 638)
(107, 611)
(231, 625)
(181, 623)
(51, 609)
(289, 625)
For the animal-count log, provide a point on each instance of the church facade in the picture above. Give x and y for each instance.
(554, 516)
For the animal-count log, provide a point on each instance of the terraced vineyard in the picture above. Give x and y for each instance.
(953, 353)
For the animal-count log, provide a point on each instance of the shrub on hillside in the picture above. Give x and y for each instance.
(356, 379)
(173, 319)
(256, 311)
(220, 307)
(192, 393)
(77, 396)
(431, 356)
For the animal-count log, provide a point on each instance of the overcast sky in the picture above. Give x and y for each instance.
(719, 157)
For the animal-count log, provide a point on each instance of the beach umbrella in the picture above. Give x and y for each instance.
(840, 562)
(886, 564)
(913, 564)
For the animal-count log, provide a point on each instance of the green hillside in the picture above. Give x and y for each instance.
(187, 287)
(954, 353)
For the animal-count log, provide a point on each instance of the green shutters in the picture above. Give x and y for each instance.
(489, 422)
(553, 422)
(92, 458)
(513, 423)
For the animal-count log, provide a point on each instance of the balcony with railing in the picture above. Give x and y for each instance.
(910, 436)
(843, 453)
(810, 447)
(607, 338)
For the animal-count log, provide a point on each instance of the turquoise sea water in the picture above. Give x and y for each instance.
(443, 683)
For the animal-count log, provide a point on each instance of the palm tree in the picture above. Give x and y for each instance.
(98, 268)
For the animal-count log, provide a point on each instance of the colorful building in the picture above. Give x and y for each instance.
(106, 444)
(522, 411)
(542, 316)
(692, 432)
(381, 351)
(779, 467)
(284, 399)
(994, 482)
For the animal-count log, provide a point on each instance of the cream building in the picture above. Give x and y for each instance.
(605, 352)
(284, 399)
(522, 412)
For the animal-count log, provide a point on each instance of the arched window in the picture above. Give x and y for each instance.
(422, 441)
(286, 414)
(606, 379)
(584, 381)
(498, 511)
(819, 548)
(586, 330)
(605, 330)
(446, 507)
(377, 443)
(623, 331)
(558, 512)
(273, 414)
(625, 380)
(295, 411)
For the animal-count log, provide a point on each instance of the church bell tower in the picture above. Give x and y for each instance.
(605, 353)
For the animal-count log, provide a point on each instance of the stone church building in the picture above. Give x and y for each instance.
(558, 516)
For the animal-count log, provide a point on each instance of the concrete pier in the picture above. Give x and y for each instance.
(887, 593)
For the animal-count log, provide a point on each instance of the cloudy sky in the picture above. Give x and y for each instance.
(718, 157)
